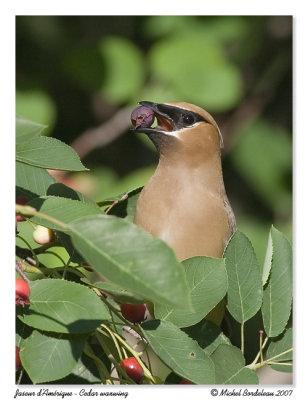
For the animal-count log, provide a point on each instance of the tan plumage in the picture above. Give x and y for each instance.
(185, 203)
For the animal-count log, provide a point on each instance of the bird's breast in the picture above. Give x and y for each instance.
(192, 220)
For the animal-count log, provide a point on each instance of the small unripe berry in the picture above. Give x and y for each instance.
(17, 359)
(132, 368)
(42, 235)
(22, 292)
(133, 312)
(142, 117)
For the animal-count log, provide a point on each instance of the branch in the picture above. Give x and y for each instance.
(103, 134)
(21, 272)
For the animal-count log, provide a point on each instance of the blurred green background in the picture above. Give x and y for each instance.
(83, 75)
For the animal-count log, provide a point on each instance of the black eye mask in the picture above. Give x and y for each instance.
(178, 117)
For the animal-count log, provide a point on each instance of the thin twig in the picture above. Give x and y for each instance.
(280, 363)
(102, 370)
(279, 355)
(260, 342)
(21, 272)
(103, 134)
(262, 348)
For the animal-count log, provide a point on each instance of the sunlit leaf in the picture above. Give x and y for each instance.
(244, 295)
(277, 299)
(51, 153)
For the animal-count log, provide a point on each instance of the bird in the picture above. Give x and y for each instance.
(185, 203)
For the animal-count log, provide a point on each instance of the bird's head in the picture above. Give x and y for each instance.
(182, 129)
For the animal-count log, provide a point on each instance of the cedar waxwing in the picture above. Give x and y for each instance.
(185, 203)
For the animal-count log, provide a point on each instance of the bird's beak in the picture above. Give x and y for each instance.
(165, 115)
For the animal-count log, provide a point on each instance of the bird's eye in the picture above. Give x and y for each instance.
(188, 119)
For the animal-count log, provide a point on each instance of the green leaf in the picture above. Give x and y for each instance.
(181, 353)
(119, 294)
(65, 307)
(36, 105)
(32, 181)
(85, 371)
(61, 190)
(203, 76)
(62, 209)
(47, 358)
(47, 152)
(281, 344)
(26, 130)
(66, 242)
(230, 367)
(124, 71)
(208, 335)
(244, 295)
(22, 331)
(263, 156)
(207, 282)
(132, 258)
(277, 299)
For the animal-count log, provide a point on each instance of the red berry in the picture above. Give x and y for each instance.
(17, 358)
(133, 312)
(22, 200)
(22, 292)
(185, 382)
(142, 117)
(132, 368)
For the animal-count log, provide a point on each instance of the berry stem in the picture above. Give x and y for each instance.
(278, 355)
(147, 373)
(242, 338)
(124, 197)
(114, 341)
(258, 354)
(102, 370)
(260, 343)
(100, 337)
(279, 363)
(254, 365)
(20, 376)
